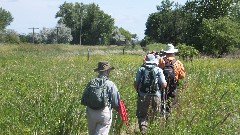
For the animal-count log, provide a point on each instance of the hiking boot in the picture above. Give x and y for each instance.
(143, 129)
(161, 113)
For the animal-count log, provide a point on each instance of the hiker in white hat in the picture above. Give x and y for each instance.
(173, 70)
(169, 48)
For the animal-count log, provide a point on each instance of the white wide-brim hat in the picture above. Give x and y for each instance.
(170, 49)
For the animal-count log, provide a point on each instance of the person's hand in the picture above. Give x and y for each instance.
(135, 85)
(163, 85)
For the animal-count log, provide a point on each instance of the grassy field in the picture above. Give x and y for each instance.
(41, 87)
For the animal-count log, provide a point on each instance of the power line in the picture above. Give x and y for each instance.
(33, 32)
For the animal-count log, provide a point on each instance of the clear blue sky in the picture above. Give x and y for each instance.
(128, 14)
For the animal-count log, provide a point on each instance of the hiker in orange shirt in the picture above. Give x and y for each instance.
(166, 63)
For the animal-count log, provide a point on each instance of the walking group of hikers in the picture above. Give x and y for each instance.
(155, 81)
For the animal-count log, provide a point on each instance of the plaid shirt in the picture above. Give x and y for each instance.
(178, 67)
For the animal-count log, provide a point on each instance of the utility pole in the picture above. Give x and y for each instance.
(81, 13)
(33, 32)
(80, 41)
(57, 34)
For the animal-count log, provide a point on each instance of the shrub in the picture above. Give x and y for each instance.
(219, 36)
(187, 52)
(9, 36)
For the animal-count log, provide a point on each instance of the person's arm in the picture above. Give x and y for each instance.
(161, 63)
(162, 79)
(137, 79)
(135, 85)
(115, 97)
(181, 71)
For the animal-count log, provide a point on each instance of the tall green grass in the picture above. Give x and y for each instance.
(41, 87)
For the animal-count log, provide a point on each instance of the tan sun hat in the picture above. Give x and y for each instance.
(170, 49)
(103, 66)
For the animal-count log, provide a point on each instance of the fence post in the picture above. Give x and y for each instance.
(88, 54)
(123, 50)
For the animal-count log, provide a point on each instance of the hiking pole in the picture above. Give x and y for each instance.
(114, 124)
(164, 103)
(160, 102)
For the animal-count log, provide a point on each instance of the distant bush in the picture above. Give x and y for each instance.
(51, 35)
(187, 52)
(9, 36)
(156, 46)
(143, 43)
(153, 46)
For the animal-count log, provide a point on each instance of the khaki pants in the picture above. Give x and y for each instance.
(147, 107)
(99, 121)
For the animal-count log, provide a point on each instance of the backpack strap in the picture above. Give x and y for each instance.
(173, 61)
(105, 79)
(145, 68)
(167, 61)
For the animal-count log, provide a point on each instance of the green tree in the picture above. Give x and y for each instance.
(134, 36)
(5, 18)
(86, 21)
(168, 24)
(70, 14)
(235, 11)
(153, 27)
(220, 36)
(117, 37)
(125, 33)
(99, 25)
(200, 10)
(25, 38)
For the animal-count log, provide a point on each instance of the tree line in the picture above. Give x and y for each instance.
(212, 27)
(78, 23)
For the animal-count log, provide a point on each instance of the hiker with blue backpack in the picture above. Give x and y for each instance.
(99, 97)
(173, 70)
(148, 82)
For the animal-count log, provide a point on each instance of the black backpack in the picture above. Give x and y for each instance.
(148, 80)
(169, 73)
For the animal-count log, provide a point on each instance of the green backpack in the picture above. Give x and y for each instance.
(148, 80)
(95, 96)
